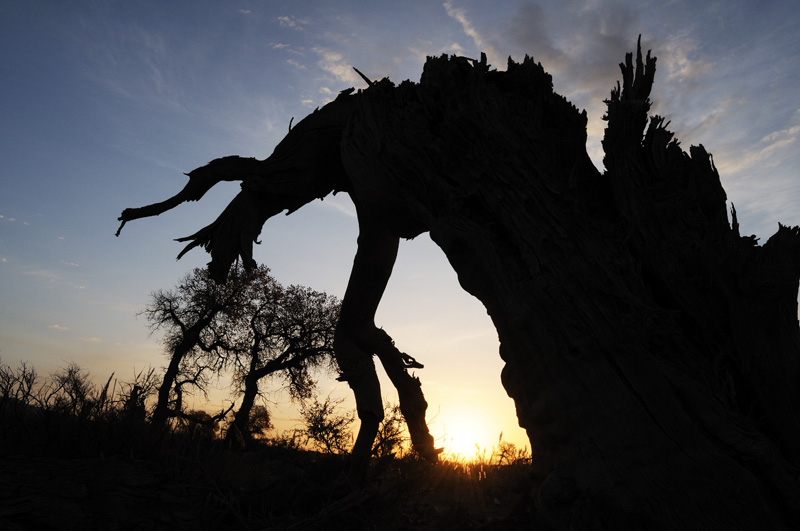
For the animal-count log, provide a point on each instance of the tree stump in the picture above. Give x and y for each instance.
(651, 351)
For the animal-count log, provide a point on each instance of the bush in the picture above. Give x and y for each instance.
(326, 429)
(391, 438)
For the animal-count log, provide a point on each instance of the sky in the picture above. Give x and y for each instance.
(106, 104)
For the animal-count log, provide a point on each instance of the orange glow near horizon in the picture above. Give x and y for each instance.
(462, 443)
(465, 435)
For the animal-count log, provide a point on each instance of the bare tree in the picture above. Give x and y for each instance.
(286, 332)
(251, 325)
(190, 316)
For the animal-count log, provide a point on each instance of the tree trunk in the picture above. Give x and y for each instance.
(241, 421)
(191, 337)
(161, 411)
(651, 351)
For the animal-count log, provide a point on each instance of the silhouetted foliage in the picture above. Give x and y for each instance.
(288, 334)
(17, 386)
(260, 421)
(392, 434)
(138, 392)
(251, 326)
(64, 413)
(506, 453)
(325, 427)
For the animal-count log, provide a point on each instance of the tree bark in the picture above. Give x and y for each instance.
(651, 351)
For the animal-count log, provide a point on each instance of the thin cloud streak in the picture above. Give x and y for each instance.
(292, 22)
(481, 43)
(334, 63)
(772, 150)
(339, 204)
(135, 63)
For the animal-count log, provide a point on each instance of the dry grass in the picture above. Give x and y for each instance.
(77, 460)
(211, 486)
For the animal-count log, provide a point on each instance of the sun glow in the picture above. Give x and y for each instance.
(465, 436)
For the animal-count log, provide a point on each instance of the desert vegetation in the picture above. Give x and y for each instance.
(76, 454)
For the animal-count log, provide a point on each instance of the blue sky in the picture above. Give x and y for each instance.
(106, 104)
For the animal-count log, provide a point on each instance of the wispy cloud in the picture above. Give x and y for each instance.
(481, 43)
(759, 177)
(341, 204)
(334, 63)
(779, 139)
(43, 273)
(58, 327)
(327, 94)
(683, 61)
(763, 198)
(698, 123)
(133, 62)
(12, 220)
(292, 22)
(91, 339)
(772, 150)
(453, 49)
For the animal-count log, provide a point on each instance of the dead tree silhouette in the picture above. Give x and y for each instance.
(652, 352)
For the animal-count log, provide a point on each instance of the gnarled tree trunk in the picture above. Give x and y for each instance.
(652, 352)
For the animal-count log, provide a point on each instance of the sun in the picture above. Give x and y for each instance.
(464, 436)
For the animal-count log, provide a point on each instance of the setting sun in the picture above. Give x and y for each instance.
(465, 434)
